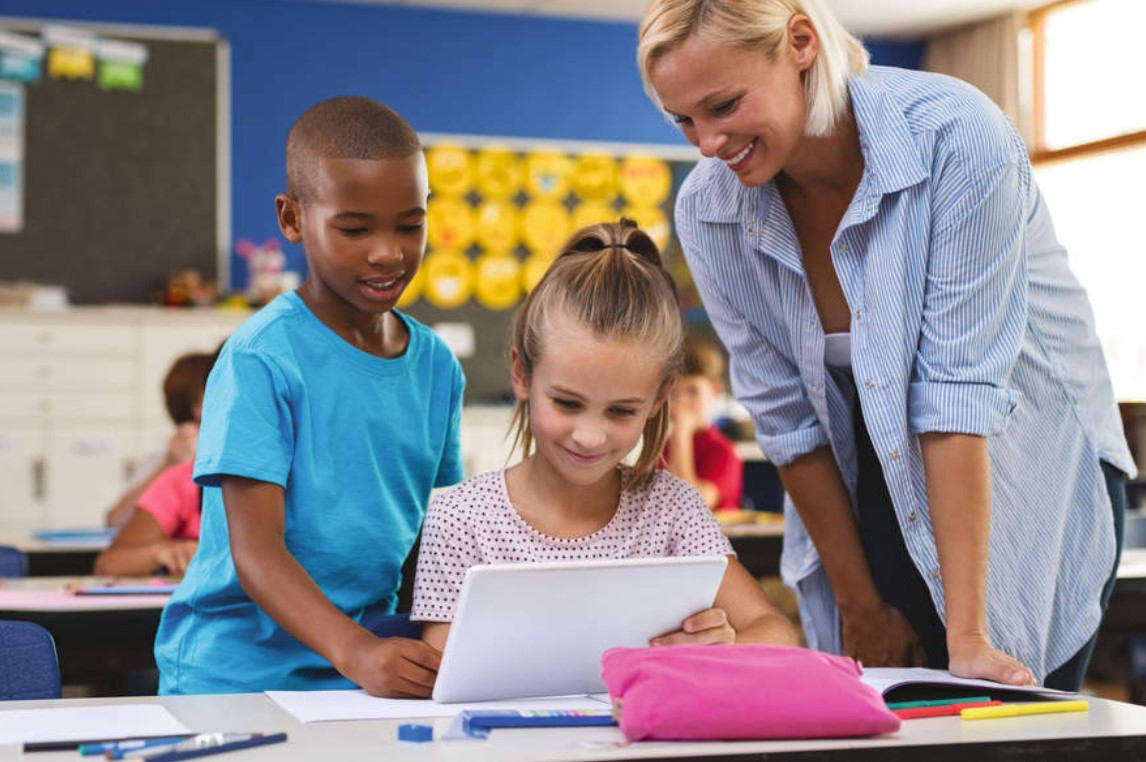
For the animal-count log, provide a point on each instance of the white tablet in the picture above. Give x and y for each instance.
(539, 629)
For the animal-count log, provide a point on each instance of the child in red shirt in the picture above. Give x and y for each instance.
(696, 450)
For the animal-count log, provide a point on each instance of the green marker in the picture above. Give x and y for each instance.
(937, 702)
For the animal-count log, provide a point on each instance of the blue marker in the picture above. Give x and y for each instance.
(116, 749)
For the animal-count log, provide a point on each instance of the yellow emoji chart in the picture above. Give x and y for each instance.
(497, 216)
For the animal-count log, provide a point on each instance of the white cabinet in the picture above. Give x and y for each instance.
(22, 459)
(81, 404)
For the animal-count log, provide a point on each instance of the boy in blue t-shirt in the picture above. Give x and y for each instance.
(327, 420)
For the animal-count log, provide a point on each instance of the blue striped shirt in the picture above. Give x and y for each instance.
(964, 318)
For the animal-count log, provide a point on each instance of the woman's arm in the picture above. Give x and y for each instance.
(873, 632)
(273, 578)
(959, 496)
(141, 548)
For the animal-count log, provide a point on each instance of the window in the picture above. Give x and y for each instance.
(1090, 162)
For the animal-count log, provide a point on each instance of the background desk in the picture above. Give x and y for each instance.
(102, 642)
(56, 558)
(1109, 732)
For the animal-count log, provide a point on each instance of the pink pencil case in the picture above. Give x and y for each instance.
(741, 692)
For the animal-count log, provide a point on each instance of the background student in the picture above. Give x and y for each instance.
(696, 450)
(903, 326)
(183, 397)
(328, 419)
(163, 532)
(595, 348)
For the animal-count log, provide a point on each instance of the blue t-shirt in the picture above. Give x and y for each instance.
(356, 441)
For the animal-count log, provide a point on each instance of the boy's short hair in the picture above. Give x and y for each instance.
(184, 384)
(347, 127)
(703, 358)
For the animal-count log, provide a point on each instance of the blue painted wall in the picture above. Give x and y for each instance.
(445, 71)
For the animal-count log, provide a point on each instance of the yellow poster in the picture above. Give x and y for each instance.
(450, 223)
(499, 173)
(449, 279)
(645, 180)
(548, 174)
(544, 226)
(451, 170)
(498, 284)
(497, 226)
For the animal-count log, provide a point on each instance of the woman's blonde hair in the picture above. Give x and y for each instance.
(760, 25)
(610, 280)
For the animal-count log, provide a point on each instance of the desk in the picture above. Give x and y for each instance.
(57, 558)
(101, 641)
(758, 546)
(1109, 732)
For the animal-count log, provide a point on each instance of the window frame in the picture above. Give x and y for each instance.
(1040, 153)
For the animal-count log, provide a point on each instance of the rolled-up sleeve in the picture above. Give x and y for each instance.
(975, 307)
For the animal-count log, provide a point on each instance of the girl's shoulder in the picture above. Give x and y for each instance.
(478, 495)
(665, 491)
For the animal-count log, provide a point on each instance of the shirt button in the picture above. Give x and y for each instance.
(911, 516)
(749, 230)
(858, 314)
(869, 384)
(894, 455)
(843, 248)
(934, 574)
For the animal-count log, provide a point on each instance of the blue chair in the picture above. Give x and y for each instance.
(391, 625)
(13, 562)
(29, 667)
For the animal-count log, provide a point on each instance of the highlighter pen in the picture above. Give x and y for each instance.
(1017, 710)
(937, 702)
(945, 710)
(116, 749)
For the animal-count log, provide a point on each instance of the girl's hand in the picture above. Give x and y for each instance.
(881, 637)
(174, 555)
(974, 656)
(706, 627)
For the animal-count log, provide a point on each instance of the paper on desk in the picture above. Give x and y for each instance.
(884, 679)
(88, 722)
(328, 706)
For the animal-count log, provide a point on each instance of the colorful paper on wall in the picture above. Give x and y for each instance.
(120, 65)
(21, 58)
(71, 53)
(11, 157)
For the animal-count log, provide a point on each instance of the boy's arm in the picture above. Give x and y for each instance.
(435, 633)
(273, 578)
(681, 462)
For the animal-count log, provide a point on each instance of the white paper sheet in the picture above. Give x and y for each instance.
(328, 706)
(88, 723)
(884, 679)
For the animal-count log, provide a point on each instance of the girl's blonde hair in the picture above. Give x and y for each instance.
(760, 25)
(610, 280)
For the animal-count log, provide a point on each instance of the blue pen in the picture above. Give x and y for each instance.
(186, 751)
(116, 749)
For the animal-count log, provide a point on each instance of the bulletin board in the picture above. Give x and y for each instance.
(124, 174)
(497, 216)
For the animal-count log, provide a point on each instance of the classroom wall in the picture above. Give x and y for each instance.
(445, 71)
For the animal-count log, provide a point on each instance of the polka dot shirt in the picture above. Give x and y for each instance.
(475, 523)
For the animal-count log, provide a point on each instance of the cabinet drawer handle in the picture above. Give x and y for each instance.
(38, 481)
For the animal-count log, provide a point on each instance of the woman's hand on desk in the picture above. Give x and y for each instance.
(974, 656)
(396, 668)
(707, 627)
(881, 637)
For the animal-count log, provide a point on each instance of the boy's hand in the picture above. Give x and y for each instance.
(181, 445)
(707, 627)
(396, 668)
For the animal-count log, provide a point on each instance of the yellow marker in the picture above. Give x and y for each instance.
(1016, 710)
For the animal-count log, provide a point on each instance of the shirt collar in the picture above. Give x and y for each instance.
(891, 154)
